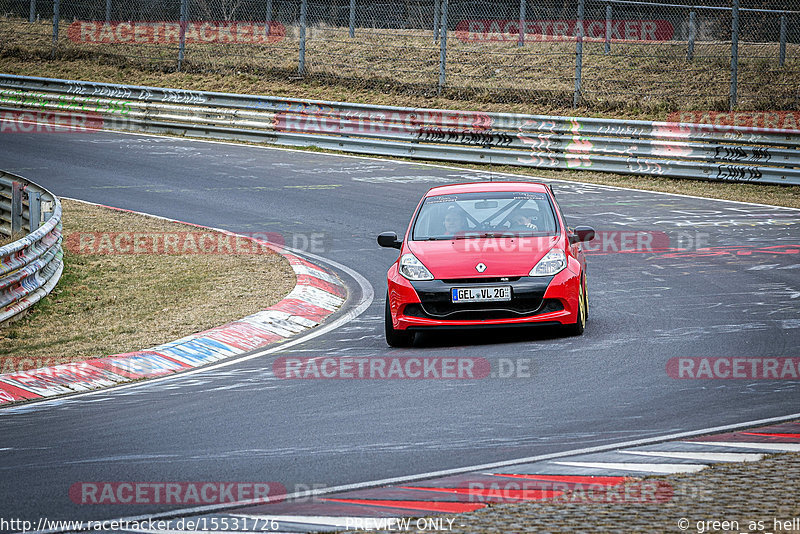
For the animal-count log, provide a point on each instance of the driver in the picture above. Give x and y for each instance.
(524, 219)
(454, 221)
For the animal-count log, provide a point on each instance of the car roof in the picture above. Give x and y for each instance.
(481, 187)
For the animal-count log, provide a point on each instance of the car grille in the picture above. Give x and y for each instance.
(475, 311)
(527, 299)
(481, 280)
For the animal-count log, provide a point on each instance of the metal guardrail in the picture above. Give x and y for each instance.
(31, 266)
(677, 150)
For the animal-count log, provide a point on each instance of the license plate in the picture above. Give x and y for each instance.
(480, 294)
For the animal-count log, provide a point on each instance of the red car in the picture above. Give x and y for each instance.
(486, 254)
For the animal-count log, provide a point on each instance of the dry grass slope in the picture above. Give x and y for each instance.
(115, 303)
(401, 67)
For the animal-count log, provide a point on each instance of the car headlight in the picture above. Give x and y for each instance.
(412, 268)
(553, 262)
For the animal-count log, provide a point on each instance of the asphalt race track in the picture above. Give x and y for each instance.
(241, 423)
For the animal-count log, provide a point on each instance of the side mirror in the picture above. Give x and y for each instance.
(389, 240)
(581, 234)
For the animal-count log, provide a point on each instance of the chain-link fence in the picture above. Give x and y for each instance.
(603, 54)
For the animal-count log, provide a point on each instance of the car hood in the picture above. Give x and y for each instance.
(503, 256)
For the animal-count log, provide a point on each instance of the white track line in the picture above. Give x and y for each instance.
(662, 469)
(777, 447)
(702, 456)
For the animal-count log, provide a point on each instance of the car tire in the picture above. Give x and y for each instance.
(577, 328)
(395, 338)
(585, 302)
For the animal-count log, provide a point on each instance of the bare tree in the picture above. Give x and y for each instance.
(218, 9)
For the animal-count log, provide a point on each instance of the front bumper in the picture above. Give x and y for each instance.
(423, 305)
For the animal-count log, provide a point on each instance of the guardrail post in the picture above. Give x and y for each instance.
(32, 12)
(301, 61)
(442, 48)
(182, 35)
(608, 29)
(34, 210)
(437, 10)
(16, 207)
(576, 98)
(692, 35)
(734, 52)
(352, 18)
(56, 17)
(782, 58)
(269, 17)
(108, 11)
(521, 41)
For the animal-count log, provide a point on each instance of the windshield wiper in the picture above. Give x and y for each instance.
(472, 235)
(476, 235)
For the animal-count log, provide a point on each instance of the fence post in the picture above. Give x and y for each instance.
(269, 17)
(34, 210)
(182, 34)
(442, 48)
(576, 98)
(521, 40)
(16, 207)
(56, 17)
(734, 53)
(436, 17)
(608, 29)
(301, 63)
(32, 12)
(352, 18)
(108, 11)
(782, 58)
(692, 35)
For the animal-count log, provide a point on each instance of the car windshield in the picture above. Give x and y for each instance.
(497, 214)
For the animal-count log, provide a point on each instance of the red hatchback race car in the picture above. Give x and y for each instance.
(486, 254)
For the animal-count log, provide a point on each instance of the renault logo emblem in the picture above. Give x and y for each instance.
(480, 267)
